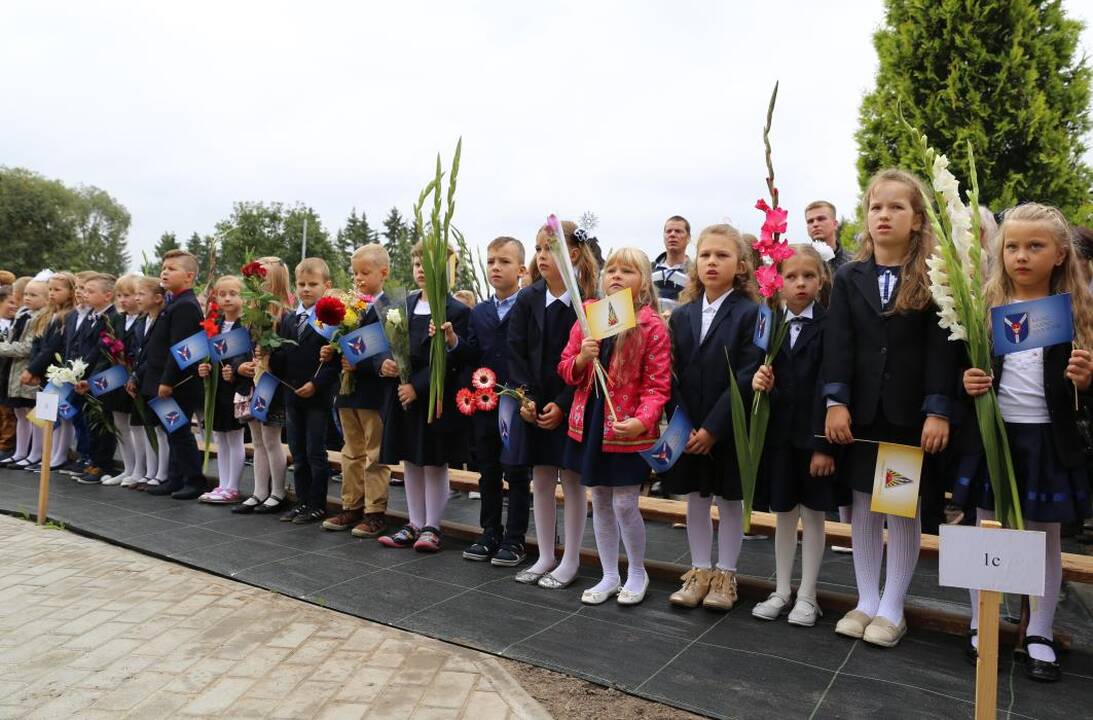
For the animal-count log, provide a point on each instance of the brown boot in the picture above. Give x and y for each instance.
(373, 525)
(696, 583)
(722, 595)
(343, 520)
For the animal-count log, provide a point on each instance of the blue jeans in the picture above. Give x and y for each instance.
(307, 443)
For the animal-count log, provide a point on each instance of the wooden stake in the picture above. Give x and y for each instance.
(986, 671)
(43, 481)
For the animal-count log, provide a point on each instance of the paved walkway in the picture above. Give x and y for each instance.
(90, 630)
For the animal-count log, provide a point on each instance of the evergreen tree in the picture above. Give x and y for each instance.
(398, 239)
(202, 249)
(1003, 74)
(257, 229)
(152, 265)
(356, 232)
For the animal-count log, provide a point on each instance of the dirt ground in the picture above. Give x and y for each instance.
(567, 698)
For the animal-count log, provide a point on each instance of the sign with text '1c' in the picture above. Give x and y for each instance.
(1008, 561)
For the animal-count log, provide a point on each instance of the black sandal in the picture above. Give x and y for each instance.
(246, 507)
(1042, 670)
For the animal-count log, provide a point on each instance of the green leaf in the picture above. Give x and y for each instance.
(744, 458)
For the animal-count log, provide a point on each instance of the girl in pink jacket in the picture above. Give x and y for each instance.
(604, 448)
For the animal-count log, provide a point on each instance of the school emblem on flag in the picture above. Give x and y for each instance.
(664, 455)
(260, 404)
(184, 353)
(1017, 327)
(894, 478)
(172, 416)
(357, 345)
(101, 383)
(220, 346)
(503, 426)
(612, 316)
(761, 325)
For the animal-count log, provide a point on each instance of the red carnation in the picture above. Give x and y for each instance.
(253, 269)
(483, 379)
(209, 326)
(464, 401)
(330, 311)
(485, 400)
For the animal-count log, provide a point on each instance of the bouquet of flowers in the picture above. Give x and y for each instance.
(211, 328)
(62, 373)
(774, 249)
(73, 373)
(485, 393)
(261, 308)
(353, 307)
(434, 238)
(956, 283)
(397, 331)
(114, 349)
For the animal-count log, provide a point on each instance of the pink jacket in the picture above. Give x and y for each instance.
(642, 398)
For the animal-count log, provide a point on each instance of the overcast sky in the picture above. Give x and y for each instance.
(632, 110)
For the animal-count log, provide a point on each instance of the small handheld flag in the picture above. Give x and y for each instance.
(66, 410)
(64, 391)
(763, 324)
(612, 315)
(169, 413)
(108, 380)
(363, 343)
(192, 350)
(506, 415)
(896, 478)
(327, 331)
(262, 398)
(669, 448)
(1032, 324)
(231, 344)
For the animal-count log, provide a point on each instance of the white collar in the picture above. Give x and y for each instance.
(806, 313)
(300, 309)
(563, 298)
(716, 304)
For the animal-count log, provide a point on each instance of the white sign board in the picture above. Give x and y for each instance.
(1008, 561)
(45, 406)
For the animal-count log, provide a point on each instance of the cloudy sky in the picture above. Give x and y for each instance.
(632, 110)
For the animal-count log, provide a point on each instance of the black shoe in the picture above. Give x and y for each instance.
(291, 515)
(247, 507)
(510, 555)
(1041, 670)
(309, 516)
(268, 508)
(33, 468)
(189, 492)
(164, 488)
(484, 548)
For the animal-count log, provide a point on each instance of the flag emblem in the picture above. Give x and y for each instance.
(184, 353)
(259, 403)
(1017, 327)
(664, 455)
(761, 325)
(101, 383)
(612, 316)
(504, 427)
(172, 417)
(894, 478)
(220, 347)
(357, 345)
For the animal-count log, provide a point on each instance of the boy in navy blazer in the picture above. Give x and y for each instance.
(87, 346)
(503, 546)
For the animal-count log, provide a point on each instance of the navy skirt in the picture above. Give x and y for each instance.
(529, 445)
(599, 468)
(789, 484)
(1050, 492)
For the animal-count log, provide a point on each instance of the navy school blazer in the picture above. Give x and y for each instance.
(700, 383)
(372, 391)
(897, 366)
(299, 364)
(459, 357)
(178, 320)
(489, 338)
(797, 403)
(526, 348)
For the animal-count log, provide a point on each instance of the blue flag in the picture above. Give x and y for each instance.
(763, 323)
(108, 380)
(230, 344)
(66, 410)
(363, 343)
(327, 331)
(506, 416)
(262, 397)
(64, 391)
(169, 413)
(192, 350)
(1032, 324)
(668, 449)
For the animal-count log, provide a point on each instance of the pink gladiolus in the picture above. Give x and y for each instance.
(776, 220)
(761, 204)
(555, 226)
(779, 252)
(770, 281)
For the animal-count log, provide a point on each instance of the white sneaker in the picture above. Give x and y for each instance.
(114, 479)
(771, 608)
(805, 613)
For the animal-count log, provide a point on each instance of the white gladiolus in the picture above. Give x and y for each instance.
(943, 296)
(394, 316)
(71, 373)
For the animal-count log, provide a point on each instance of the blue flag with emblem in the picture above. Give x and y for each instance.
(1032, 324)
(262, 397)
(231, 344)
(192, 350)
(108, 380)
(327, 331)
(668, 449)
(66, 409)
(764, 320)
(64, 391)
(169, 413)
(364, 342)
(506, 415)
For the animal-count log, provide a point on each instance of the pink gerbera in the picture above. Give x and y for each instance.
(483, 379)
(485, 400)
(465, 401)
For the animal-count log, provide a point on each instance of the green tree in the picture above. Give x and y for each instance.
(152, 265)
(356, 232)
(257, 229)
(203, 249)
(1002, 74)
(398, 238)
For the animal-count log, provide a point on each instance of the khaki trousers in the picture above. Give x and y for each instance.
(364, 479)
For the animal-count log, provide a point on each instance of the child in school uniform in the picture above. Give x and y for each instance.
(603, 446)
(365, 481)
(1034, 258)
(227, 432)
(160, 376)
(426, 449)
(8, 308)
(50, 343)
(538, 331)
(30, 320)
(796, 463)
(87, 346)
(123, 326)
(889, 375)
(502, 545)
(148, 302)
(308, 409)
(77, 427)
(716, 319)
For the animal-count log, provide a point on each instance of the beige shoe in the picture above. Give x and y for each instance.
(884, 633)
(696, 583)
(853, 624)
(722, 595)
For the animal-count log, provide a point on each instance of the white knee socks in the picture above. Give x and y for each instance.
(125, 443)
(785, 549)
(1042, 609)
(137, 439)
(436, 494)
(24, 432)
(700, 530)
(606, 527)
(229, 458)
(576, 512)
(163, 455)
(278, 460)
(904, 542)
(812, 552)
(413, 477)
(544, 479)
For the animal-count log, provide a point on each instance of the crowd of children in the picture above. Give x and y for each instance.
(864, 360)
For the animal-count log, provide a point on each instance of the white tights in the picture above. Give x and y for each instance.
(426, 494)
(544, 479)
(615, 512)
(63, 435)
(270, 461)
(812, 551)
(24, 432)
(904, 540)
(229, 458)
(125, 443)
(1041, 609)
(163, 457)
(730, 531)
